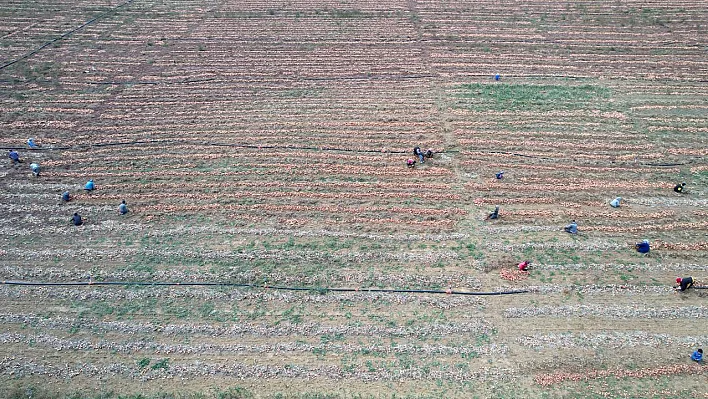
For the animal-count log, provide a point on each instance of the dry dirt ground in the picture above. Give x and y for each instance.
(265, 143)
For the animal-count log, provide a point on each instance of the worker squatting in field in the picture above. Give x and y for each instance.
(684, 283)
(14, 157)
(642, 247)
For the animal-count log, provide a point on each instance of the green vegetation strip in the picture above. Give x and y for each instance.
(530, 96)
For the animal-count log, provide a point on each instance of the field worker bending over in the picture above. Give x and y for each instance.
(31, 143)
(417, 152)
(76, 220)
(429, 154)
(524, 266)
(697, 356)
(35, 169)
(499, 175)
(410, 162)
(615, 203)
(684, 283)
(89, 186)
(65, 196)
(572, 228)
(679, 187)
(495, 214)
(642, 247)
(14, 157)
(123, 208)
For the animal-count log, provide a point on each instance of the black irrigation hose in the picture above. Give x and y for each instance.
(56, 39)
(264, 286)
(665, 164)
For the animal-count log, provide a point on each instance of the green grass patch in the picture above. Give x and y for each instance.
(506, 96)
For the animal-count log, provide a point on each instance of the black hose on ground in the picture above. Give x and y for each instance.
(264, 286)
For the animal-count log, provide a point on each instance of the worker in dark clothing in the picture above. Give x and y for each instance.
(495, 214)
(684, 283)
(76, 220)
(14, 157)
(429, 154)
(679, 187)
(417, 152)
(499, 175)
(642, 247)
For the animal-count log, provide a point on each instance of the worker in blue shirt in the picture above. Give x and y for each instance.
(123, 208)
(572, 228)
(697, 356)
(14, 156)
(642, 247)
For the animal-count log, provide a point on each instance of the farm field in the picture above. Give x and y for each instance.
(265, 143)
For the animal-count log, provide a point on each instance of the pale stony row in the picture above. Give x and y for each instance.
(61, 228)
(427, 257)
(611, 289)
(342, 279)
(251, 329)
(635, 267)
(613, 340)
(17, 366)
(210, 229)
(580, 246)
(117, 294)
(608, 311)
(670, 202)
(517, 229)
(128, 347)
(186, 229)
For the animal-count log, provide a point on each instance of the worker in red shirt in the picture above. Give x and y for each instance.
(524, 266)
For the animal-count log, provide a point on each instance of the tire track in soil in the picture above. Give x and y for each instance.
(443, 105)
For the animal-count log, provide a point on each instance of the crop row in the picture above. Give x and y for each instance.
(250, 329)
(131, 347)
(329, 277)
(614, 340)
(670, 370)
(612, 312)
(177, 229)
(19, 366)
(268, 295)
(284, 170)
